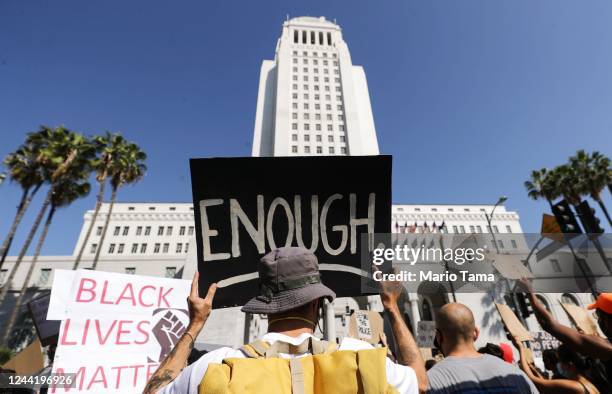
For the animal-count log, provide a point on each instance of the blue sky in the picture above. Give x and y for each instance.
(468, 96)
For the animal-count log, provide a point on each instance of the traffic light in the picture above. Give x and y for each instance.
(566, 218)
(590, 222)
(524, 305)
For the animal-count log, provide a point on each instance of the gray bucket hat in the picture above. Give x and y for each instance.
(288, 278)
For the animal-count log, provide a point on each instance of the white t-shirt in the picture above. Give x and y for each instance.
(401, 377)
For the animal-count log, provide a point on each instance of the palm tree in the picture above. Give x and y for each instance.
(541, 185)
(25, 169)
(127, 167)
(72, 187)
(108, 146)
(594, 173)
(61, 151)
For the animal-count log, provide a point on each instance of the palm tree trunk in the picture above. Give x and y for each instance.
(24, 288)
(24, 203)
(4, 289)
(99, 200)
(605, 211)
(105, 228)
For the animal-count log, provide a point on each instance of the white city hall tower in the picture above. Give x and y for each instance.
(312, 100)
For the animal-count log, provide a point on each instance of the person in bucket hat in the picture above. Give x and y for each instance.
(291, 294)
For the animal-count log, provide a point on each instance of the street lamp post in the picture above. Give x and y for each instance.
(489, 218)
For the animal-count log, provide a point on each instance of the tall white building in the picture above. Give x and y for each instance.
(312, 100)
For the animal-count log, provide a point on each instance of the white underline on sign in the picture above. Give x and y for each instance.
(323, 267)
(237, 279)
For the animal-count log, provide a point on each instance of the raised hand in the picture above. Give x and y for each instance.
(390, 290)
(199, 308)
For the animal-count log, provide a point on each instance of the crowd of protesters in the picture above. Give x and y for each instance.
(291, 295)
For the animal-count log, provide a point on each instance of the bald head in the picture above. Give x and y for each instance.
(456, 322)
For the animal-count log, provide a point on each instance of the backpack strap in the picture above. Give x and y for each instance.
(255, 349)
(297, 376)
(323, 347)
(310, 344)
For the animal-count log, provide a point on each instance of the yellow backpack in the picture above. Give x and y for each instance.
(326, 371)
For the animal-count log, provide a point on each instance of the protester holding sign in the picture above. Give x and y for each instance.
(588, 345)
(290, 295)
(574, 369)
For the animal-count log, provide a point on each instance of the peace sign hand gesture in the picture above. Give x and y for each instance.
(199, 308)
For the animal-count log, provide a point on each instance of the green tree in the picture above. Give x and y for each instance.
(5, 355)
(72, 187)
(540, 185)
(565, 180)
(61, 151)
(593, 175)
(25, 169)
(127, 167)
(108, 147)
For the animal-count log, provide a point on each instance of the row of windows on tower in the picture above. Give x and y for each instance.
(319, 138)
(317, 97)
(317, 106)
(316, 79)
(329, 117)
(319, 150)
(316, 88)
(142, 248)
(318, 127)
(312, 37)
(316, 70)
(315, 54)
(147, 230)
(315, 62)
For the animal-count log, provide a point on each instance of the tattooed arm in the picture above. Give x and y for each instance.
(199, 310)
(407, 350)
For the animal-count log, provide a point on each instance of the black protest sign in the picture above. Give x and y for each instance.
(543, 341)
(48, 330)
(245, 207)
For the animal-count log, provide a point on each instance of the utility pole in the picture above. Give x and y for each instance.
(513, 297)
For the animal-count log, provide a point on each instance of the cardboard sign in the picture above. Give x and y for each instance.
(366, 326)
(28, 361)
(246, 207)
(511, 267)
(512, 323)
(581, 319)
(116, 328)
(543, 341)
(426, 333)
(47, 330)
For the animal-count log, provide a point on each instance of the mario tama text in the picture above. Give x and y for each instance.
(431, 276)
